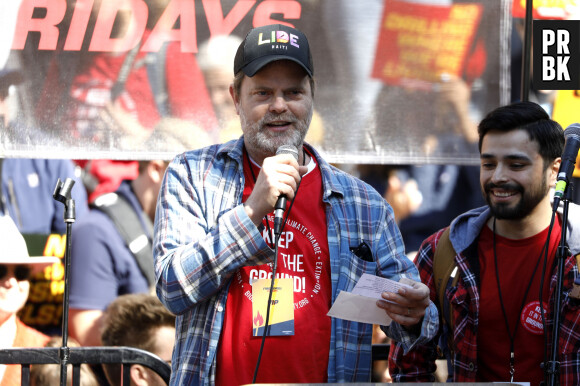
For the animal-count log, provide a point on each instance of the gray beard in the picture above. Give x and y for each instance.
(259, 138)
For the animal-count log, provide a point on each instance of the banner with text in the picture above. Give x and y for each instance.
(146, 79)
(418, 44)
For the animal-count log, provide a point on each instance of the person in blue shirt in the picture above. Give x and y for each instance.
(27, 188)
(105, 263)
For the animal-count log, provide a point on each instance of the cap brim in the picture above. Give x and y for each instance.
(255, 65)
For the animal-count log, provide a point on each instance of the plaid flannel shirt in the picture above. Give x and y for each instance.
(203, 236)
(418, 365)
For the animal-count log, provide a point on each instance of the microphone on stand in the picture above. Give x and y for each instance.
(572, 135)
(281, 203)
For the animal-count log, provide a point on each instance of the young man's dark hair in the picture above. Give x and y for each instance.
(532, 118)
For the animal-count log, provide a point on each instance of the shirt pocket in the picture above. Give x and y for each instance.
(356, 266)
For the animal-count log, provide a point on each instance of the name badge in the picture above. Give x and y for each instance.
(281, 320)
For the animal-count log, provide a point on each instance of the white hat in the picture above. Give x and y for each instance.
(14, 250)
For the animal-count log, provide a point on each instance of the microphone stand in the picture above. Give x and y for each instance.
(62, 193)
(552, 367)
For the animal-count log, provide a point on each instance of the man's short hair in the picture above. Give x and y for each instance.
(532, 118)
(131, 320)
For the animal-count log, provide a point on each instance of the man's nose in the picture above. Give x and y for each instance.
(499, 174)
(279, 104)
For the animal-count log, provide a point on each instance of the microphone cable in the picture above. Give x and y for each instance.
(272, 281)
(266, 330)
(542, 276)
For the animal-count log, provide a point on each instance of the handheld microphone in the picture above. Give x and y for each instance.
(572, 134)
(281, 203)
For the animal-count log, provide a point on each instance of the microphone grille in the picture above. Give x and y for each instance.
(572, 130)
(288, 149)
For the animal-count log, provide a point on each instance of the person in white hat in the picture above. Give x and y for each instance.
(16, 266)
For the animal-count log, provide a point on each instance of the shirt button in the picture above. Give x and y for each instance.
(207, 353)
(471, 366)
(220, 309)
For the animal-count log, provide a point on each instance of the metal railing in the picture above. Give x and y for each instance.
(125, 356)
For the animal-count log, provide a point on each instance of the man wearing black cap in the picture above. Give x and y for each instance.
(217, 243)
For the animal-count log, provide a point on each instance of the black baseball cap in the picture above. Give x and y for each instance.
(269, 43)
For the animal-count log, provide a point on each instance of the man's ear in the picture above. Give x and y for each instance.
(555, 170)
(157, 170)
(139, 376)
(235, 98)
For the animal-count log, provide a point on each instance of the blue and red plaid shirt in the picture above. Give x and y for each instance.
(418, 365)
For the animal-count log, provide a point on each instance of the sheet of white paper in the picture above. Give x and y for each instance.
(358, 309)
(360, 305)
(372, 286)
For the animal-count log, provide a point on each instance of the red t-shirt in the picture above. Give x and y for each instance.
(303, 255)
(516, 261)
